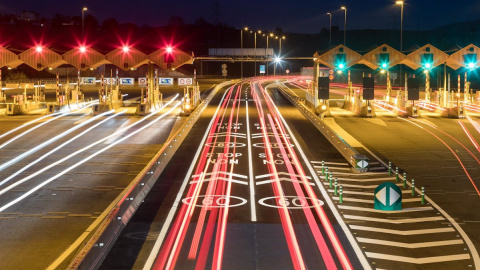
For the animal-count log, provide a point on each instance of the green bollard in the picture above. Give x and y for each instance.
(396, 175)
(326, 173)
(423, 195)
(330, 179)
(335, 190)
(389, 168)
(340, 197)
(413, 187)
(404, 176)
(323, 167)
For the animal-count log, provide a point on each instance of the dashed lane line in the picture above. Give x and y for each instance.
(410, 245)
(402, 232)
(437, 259)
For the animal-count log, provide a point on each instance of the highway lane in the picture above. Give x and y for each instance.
(40, 227)
(260, 230)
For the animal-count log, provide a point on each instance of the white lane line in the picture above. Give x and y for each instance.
(332, 163)
(399, 232)
(365, 193)
(253, 210)
(394, 221)
(363, 174)
(168, 221)
(333, 168)
(447, 258)
(280, 173)
(410, 245)
(408, 200)
(405, 210)
(351, 239)
(221, 178)
(27, 124)
(360, 186)
(362, 180)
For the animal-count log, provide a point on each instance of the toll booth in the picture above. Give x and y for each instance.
(323, 108)
(363, 104)
(191, 99)
(412, 91)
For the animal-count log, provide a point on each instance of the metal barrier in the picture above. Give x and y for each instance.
(348, 152)
(91, 248)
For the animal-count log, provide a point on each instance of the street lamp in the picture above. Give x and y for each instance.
(401, 3)
(255, 50)
(83, 21)
(330, 30)
(280, 45)
(345, 26)
(241, 45)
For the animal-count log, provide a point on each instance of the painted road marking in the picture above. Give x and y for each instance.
(437, 259)
(405, 210)
(330, 163)
(395, 221)
(225, 134)
(282, 179)
(365, 193)
(260, 135)
(221, 172)
(280, 173)
(400, 232)
(363, 180)
(221, 178)
(410, 245)
(253, 210)
(359, 186)
(333, 168)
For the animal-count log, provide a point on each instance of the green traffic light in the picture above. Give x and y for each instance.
(384, 65)
(341, 66)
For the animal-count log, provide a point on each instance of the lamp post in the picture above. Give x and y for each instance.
(83, 21)
(401, 3)
(241, 45)
(345, 26)
(280, 45)
(330, 30)
(255, 50)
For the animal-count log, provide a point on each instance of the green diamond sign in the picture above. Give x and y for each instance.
(388, 197)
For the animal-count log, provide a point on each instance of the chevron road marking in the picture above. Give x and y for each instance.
(333, 163)
(365, 193)
(331, 168)
(394, 221)
(399, 232)
(410, 245)
(282, 179)
(437, 259)
(359, 186)
(362, 180)
(280, 173)
(221, 178)
(405, 210)
(224, 173)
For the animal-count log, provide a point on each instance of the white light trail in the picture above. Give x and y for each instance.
(31, 191)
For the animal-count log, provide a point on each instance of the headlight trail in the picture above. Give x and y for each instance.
(48, 142)
(39, 125)
(60, 146)
(80, 151)
(13, 202)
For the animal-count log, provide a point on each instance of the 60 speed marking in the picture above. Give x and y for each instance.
(216, 201)
(290, 202)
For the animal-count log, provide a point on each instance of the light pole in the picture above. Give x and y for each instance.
(330, 30)
(241, 45)
(280, 45)
(83, 21)
(345, 26)
(255, 50)
(401, 3)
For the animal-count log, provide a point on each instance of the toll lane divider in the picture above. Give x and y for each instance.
(93, 245)
(347, 151)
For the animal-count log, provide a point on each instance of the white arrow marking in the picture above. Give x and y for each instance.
(382, 196)
(437, 259)
(410, 245)
(398, 232)
(394, 196)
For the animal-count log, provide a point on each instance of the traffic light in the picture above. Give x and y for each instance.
(340, 61)
(169, 57)
(384, 60)
(427, 60)
(470, 60)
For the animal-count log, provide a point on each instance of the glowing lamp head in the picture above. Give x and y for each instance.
(425, 71)
(382, 71)
(169, 49)
(125, 49)
(428, 65)
(277, 59)
(82, 49)
(384, 65)
(471, 65)
(341, 66)
(343, 7)
(399, 2)
(339, 72)
(38, 49)
(324, 107)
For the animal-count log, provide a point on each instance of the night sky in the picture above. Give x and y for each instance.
(304, 16)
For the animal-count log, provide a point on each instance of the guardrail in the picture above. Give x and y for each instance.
(348, 152)
(91, 248)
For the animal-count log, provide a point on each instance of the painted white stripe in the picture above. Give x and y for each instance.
(282, 179)
(437, 259)
(332, 163)
(410, 245)
(359, 186)
(220, 172)
(361, 174)
(364, 193)
(347, 199)
(334, 168)
(253, 210)
(394, 221)
(221, 178)
(280, 173)
(399, 232)
(363, 180)
(405, 210)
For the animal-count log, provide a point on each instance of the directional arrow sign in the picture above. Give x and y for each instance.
(388, 197)
(362, 164)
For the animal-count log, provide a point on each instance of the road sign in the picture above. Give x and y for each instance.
(185, 81)
(388, 197)
(165, 81)
(262, 69)
(287, 71)
(127, 81)
(331, 77)
(330, 72)
(224, 66)
(109, 81)
(142, 81)
(88, 80)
